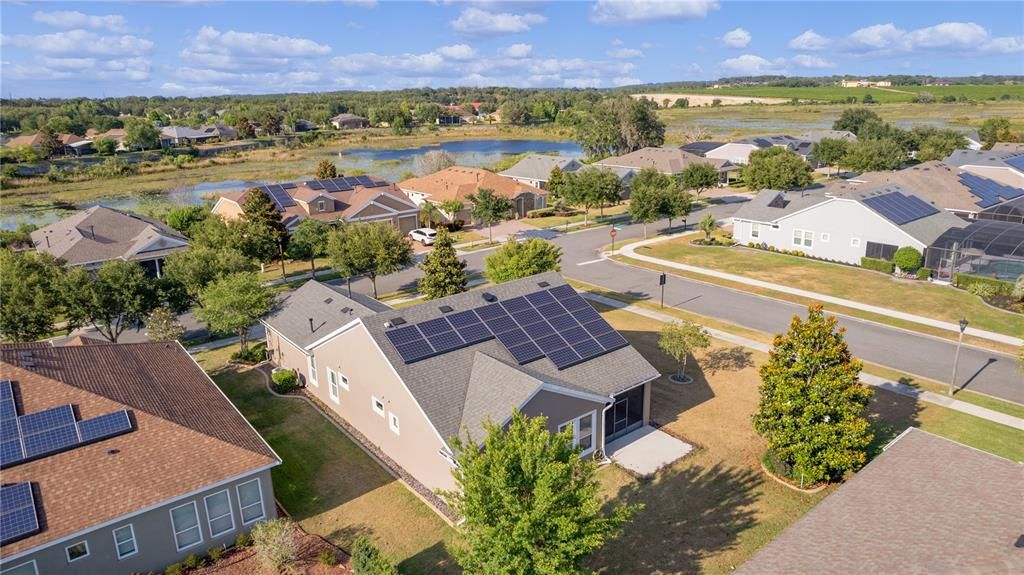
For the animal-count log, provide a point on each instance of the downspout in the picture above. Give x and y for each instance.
(604, 432)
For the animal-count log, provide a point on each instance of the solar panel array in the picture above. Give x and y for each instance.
(990, 192)
(1016, 161)
(26, 437)
(18, 517)
(900, 209)
(556, 323)
(281, 198)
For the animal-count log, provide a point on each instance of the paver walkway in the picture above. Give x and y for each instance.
(630, 251)
(872, 380)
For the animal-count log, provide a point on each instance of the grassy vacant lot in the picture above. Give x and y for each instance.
(881, 95)
(920, 298)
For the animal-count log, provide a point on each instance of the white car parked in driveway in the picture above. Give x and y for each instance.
(425, 236)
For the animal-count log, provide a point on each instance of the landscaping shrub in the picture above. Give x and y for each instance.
(275, 543)
(982, 290)
(541, 213)
(193, 561)
(174, 569)
(923, 273)
(367, 559)
(243, 540)
(284, 381)
(215, 553)
(252, 356)
(1018, 288)
(965, 281)
(907, 259)
(877, 265)
(327, 557)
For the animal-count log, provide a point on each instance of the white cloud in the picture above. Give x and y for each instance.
(738, 38)
(193, 90)
(581, 83)
(809, 40)
(360, 3)
(961, 37)
(211, 40)
(628, 11)
(624, 53)
(474, 21)
(370, 64)
(752, 65)
(626, 81)
(617, 42)
(646, 45)
(1004, 45)
(135, 69)
(69, 19)
(694, 68)
(78, 42)
(808, 61)
(457, 52)
(517, 51)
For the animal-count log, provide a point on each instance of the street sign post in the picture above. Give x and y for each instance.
(661, 282)
(612, 233)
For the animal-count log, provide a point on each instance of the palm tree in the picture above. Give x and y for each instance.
(708, 225)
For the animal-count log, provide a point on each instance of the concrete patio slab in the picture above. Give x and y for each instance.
(647, 450)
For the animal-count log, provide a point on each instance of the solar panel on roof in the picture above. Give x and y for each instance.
(513, 337)
(1016, 161)
(315, 185)
(575, 335)
(611, 341)
(990, 192)
(526, 352)
(900, 209)
(6, 391)
(516, 304)
(11, 452)
(501, 324)
(50, 441)
(18, 516)
(364, 180)
(342, 184)
(290, 185)
(278, 195)
(47, 419)
(563, 358)
(562, 322)
(434, 326)
(475, 333)
(445, 341)
(104, 426)
(562, 291)
(415, 350)
(552, 309)
(539, 329)
(464, 318)
(540, 298)
(404, 335)
(526, 316)
(588, 348)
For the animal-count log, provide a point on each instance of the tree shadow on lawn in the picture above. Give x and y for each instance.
(670, 399)
(727, 359)
(890, 414)
(433, 560)
(689, 514)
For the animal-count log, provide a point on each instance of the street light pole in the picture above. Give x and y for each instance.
(956, 358)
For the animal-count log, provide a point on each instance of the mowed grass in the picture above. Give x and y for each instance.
(711, 511)
(919, 298)
(328, 484)
(595, 216)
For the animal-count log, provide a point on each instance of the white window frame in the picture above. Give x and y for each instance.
(343, 381)
(805, 236)
(755, 230)
(198, 526)
(67, 555)
(825, 237)
(854, 242)
(209, 519)
(576, 430)
(338, 378)
(373, 404)
(241, 509)
(32, 562)
(117, 544)
(333, 391)
(311, 364)
(321, 205)
(798, 237)
(394, 423)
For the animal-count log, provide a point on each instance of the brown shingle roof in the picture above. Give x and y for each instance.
(925, 505)
(933, 181)
(666, 160)
(457, 182)
(101, 233)
(187, 434)
(346, 203)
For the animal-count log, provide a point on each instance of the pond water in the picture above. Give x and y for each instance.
(385, 163)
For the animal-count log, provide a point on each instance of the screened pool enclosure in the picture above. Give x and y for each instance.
(989, 248)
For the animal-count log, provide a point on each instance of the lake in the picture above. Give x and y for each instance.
(385, 163)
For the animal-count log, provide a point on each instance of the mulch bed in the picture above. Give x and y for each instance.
(244, 562)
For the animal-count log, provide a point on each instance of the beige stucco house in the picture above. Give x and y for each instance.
(411, 379)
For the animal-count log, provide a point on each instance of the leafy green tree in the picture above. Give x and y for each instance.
(371, 249)
(18, 238)
(244, 127)
(776, 168)
(699, 177)
(112, 299)
(105, 146)
(163, 325)
(874, 156)
(427, 113)
(140, 134)
(939, 144)
(618, 126)
(530, 503)
(591, 187)
(309, 241)
(182, 218)
(812, 403)
(428, 213)
(556, 182)
(517, 260)
(368, 560)
(681, 338)
(907, 258)
(515, 112)
(326, 170)
(260, 211)
(645, 200)
(852, 119)
(489, 208)
(451, 208)
(676, 203)
(49, 144)
(400, 126)
(200, 265)
(995, 129)
(829, 151)
(234, 303)
(271, 123)
(868, 99)
(31, 294)
(444, 272)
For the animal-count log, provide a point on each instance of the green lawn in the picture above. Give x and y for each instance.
(595, 217)
(331, 486)
(920, 298)
(881, 95)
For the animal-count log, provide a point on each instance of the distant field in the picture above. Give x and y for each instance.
(707, 99)
(881, 95)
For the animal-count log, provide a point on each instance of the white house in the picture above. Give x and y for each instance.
(738, 152)
(873, 223)
(535, 169)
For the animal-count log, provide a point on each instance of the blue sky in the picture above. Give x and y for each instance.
(192, 47)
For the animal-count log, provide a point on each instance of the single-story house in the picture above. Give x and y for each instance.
(701, 147)
(183, 136)
(1004, 167)
(341, 199)
(874, 222)
(349, 122)
(669, 161)
(815, 136)
(121, 459)
(535, 169)
(458, 183)
(1012, 147)
(926, 504)
(304, 126)
(220, 130)
(411, 379)
(99, 234)
(738, 152)
(116, 134)
(940, 185)
(72, 144)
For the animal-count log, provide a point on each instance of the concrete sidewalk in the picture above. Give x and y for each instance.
(630, 251)
(872, 380)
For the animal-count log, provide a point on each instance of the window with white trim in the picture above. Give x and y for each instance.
(803, 238)
(185, 523)
(378, 407)
(218, 513)
(321, 206)
(337, 379)
(77, 551)
(332, 384)
(343, 381)
(393, 423)
(28, 568)
(312, 370)
(755, 230)
(250, 501)
(825, 236)
(854, 242)
(124, 541)
(582, 431)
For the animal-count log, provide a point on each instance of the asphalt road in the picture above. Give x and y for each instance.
(979, 369)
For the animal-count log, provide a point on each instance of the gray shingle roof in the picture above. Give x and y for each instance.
(329, 308)
(701, 148)
(770, 205)
(100, 233)
(925, 505)
(816, 136)
(978, 158)
(538, 167)
(495, 389)
(441, 384)
(770, 140)
(925, 230)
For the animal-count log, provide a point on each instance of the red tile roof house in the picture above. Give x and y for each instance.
(352, 199)
(121, 459)
(410, 379)
(458, 183)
